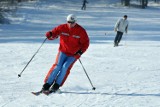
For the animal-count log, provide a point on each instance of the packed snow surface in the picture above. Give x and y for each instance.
(124, 76)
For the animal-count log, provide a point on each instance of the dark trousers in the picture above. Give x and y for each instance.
(118, 37)
(83, 7)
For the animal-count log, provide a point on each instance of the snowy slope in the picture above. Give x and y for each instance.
(125, 76)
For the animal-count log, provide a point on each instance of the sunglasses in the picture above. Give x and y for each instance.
(70, 22)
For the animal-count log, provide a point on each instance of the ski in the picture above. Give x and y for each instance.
(45, 92)
(37, 93)
(52, 92)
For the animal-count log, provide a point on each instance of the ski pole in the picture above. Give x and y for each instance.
(93, 88)
(125, 44)
(19, 75)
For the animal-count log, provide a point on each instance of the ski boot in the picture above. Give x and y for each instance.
(45, 87)
(115, 44)
(54, 87)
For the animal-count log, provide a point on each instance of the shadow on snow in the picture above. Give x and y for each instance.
(115, 94)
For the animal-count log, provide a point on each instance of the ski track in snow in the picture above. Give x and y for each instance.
(124, 76)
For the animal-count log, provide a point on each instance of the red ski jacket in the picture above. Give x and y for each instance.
(71, 39)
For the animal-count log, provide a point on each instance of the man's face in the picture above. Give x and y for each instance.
(125, 18)
(71, 24)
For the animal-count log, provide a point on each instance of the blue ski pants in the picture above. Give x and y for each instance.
(60, 70)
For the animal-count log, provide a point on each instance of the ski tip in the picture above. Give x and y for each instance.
(36, 93)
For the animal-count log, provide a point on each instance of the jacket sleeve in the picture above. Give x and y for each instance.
(84, 41)
(126, 29)
(56, 32)
(117, 24)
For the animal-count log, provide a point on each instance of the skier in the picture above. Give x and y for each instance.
(84, 4)
(74, 41)
(121, 26)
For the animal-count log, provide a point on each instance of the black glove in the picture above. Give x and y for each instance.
(49, 34)
(79, 52)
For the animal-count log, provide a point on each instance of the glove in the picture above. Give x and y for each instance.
(115, 30)
(78, 54)
(49, 35)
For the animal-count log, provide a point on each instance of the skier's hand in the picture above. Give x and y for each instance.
(78, 54)
(115, 30)
(49, 35)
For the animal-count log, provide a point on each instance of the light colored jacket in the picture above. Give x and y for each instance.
(121, 25)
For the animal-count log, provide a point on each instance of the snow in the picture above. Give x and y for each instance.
(124, 76)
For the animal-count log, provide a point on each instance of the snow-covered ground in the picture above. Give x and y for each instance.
(124, 76)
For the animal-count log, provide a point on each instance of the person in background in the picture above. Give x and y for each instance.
(84, 4)
(121, 26)
(74, 41)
